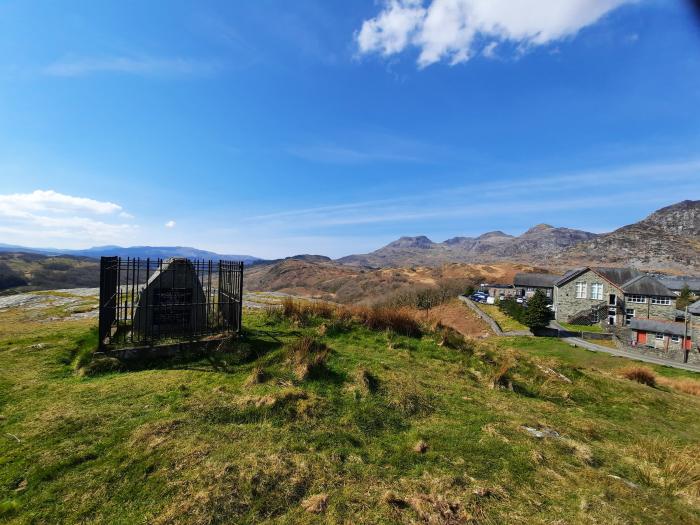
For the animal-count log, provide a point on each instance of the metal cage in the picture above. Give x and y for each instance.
(152, 301)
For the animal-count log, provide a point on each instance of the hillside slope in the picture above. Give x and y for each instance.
(388, 429)
(667, 239)
(33, 271)
(533, 246)
(342, 283)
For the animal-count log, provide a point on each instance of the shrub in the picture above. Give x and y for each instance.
(640, 374)
(512, 308)
(537, 314)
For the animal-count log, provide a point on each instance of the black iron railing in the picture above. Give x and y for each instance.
(149, 301)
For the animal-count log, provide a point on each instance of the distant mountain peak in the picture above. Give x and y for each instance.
(540, 228)
(420, 241)
(495, 233)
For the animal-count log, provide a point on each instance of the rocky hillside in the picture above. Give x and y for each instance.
(534, 246)
(33, 271)
(668, 239)
(332, 281)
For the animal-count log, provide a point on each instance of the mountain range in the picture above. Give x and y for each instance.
(668, 239)
(154, 252)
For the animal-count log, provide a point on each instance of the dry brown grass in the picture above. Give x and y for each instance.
(640, 374)
(687, 386)
(673, 469)
(399, 320)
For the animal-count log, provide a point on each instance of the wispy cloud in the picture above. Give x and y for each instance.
(452, 30)
(43, 215)
(368, 147)
(341, 155)
(586, 190)
(142, 66)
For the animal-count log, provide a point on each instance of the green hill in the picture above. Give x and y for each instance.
(311, 420)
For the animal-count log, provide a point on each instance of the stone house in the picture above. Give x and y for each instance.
(499, 291)
(611, 296)
(526, 284)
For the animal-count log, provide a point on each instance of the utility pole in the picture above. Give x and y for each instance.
(685, 334)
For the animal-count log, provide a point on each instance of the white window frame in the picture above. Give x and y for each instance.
(676, 338)
(630, 314)
(581, 290)
(597, 291)
(639, 299)
(659, 336)
(660, 300)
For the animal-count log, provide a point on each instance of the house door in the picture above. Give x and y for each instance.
(612, 310)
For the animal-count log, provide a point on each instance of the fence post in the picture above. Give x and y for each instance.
(108, 290)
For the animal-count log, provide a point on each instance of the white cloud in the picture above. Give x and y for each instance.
(170, 224)
(49, 200)
(452, 30)
(43, 216)
(144, 66)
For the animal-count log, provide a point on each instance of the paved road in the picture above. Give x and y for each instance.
(577, 341)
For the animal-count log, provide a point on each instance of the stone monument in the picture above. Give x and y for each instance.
(172, 302)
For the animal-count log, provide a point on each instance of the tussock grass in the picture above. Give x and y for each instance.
(639, 374)
(647, 376)
(340, 318)
(665, 466)
(687, 386)
(193, 441)
(308, 357)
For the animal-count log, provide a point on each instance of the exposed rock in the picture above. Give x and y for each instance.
(541, 433)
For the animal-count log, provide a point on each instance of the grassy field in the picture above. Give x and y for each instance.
(595, 328)
(506, 322)
(385, 429)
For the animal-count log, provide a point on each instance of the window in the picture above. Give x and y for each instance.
(595, 316)
(676, 338)
(597, 291)
(629, 315)
(660, 300)
(659, 337)
(637, 298)
(581, 289)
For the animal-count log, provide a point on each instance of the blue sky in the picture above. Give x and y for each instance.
(274, 128)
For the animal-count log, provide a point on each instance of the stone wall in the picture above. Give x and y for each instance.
(676, 355)
(567, 305)
(653, 311)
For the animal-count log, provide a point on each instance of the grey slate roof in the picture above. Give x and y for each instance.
(618, 276)
(664, 327)
(646, 285)
(676, 283)
(570, 275)
(694, 308)
(536, 280)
